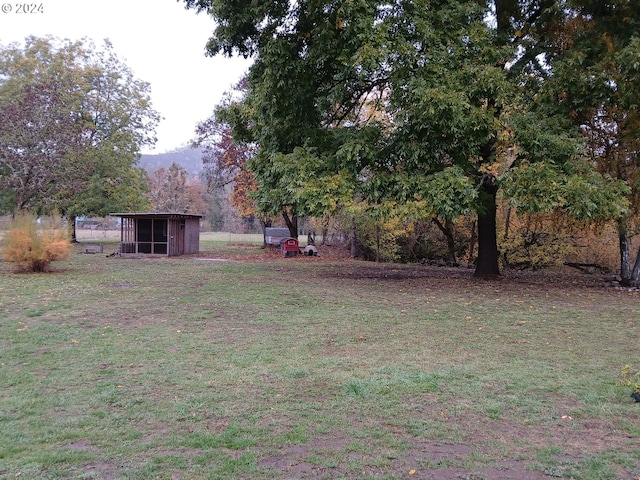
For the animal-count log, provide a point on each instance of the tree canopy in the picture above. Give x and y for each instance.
(74, 119)
(429, 105)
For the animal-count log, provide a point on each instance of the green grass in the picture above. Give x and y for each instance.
(309, 368)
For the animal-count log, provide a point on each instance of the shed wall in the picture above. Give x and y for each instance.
(192, 235)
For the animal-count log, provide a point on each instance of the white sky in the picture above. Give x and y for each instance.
(158, 39)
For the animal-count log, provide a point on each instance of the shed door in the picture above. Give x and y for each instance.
(176, 237)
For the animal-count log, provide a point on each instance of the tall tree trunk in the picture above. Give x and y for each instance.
(625, 254)
(487, 265)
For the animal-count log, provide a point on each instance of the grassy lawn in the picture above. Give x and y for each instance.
(242, 364)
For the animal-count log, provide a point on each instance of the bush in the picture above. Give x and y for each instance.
(33, 249)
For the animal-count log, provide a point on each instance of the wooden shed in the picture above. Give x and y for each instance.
(159, 234)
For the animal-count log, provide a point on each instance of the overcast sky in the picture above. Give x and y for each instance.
(158, 39)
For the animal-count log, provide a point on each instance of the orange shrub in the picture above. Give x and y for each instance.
(32, 249)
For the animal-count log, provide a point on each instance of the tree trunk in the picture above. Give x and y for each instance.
(507, 225)
(635, 275)
(292, 224)
(625, 254)
(325, 230)
(447, 231)
(265, 224)
(472, 243)
(487, 265)
(72, 228)
(354, 239)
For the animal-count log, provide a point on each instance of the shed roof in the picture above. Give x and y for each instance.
(157, 214)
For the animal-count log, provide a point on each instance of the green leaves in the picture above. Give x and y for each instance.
(303, 181)
(584, 194)
(81, 123)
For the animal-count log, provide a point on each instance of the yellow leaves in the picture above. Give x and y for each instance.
(629, 378)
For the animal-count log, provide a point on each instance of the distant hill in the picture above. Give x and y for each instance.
(189, 158)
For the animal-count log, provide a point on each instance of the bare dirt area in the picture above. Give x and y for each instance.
(342, 266)
(440, 277)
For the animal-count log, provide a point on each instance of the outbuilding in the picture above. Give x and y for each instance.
(159, 234)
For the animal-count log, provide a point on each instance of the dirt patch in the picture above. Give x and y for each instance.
(507, 471)
(340, 265)
(358, 270)
(296, 461)
(422, 461)
(102, 470)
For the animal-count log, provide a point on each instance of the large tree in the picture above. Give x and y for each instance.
(455, 84)
(79, 116)
(595, 58)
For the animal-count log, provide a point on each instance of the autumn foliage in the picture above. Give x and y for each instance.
(32, 249)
